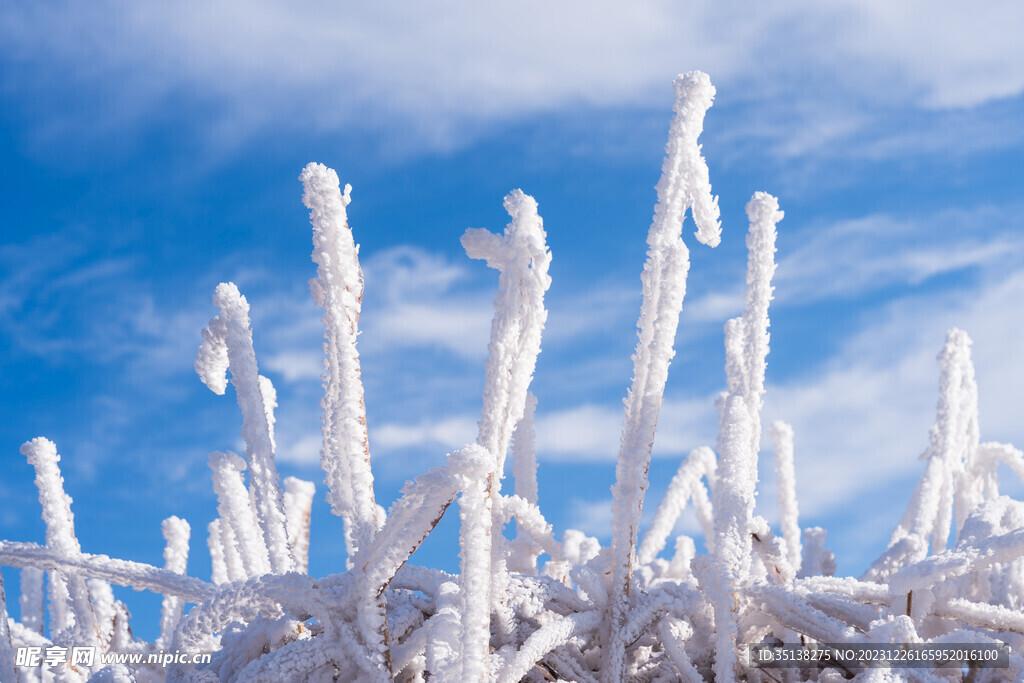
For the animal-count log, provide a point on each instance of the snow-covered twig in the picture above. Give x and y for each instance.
(119, 572)
(227, 342)
(60, 538)
(298, 506)
(687, 478)
(545, 639)
(338, 289)
(236, 513)
(521, 256)
(785, 481)
(7, 671)
(176, 533)
(684, 185)
(475, 544)
(740, 434)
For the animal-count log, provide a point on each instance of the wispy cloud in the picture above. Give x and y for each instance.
(863, 418)
(854, 257)
(849, 259)
(441, 72)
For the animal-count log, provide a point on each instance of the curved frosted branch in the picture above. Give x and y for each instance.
(690, 471)
(545, 639)
(229, 336)
(521, 256)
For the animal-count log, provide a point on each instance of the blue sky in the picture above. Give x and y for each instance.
(149, 152)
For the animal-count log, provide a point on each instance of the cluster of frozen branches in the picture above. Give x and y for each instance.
(534, 607)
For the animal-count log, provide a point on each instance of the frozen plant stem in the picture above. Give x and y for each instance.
(521, 256)
(72, 616)
(7, 671)
(176, 534)
(684, 185)
(236, 513)
(785, 479)
(345, 454)
(227, 343)
(338, 289)
(740, 433)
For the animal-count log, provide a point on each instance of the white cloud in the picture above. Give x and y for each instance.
(304, 450)
(443, 70)
(590, 433)
(851, 258)
(415, 298)
(592, 517)
(295, 365)
(447, 432)
(863, 419)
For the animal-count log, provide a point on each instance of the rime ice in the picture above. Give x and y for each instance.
(953, 571)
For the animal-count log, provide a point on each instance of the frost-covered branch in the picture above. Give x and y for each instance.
(119, 572)
(951, 472)
(227, 343)
(7, 671)
(700, 462)
(298, 506)
(236, 513)
(68, 588)
(684, 185)
(740, 432)
(176, 533)
(475, 544)
(785, 481)
(521, 255)
(338, 289)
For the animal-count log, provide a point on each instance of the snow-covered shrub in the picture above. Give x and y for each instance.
(953, 571)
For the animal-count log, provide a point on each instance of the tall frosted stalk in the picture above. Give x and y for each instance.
(785, 480)
(521, 255)
(684, 185)
(338, 289)
(176, 534)
(746, 347)
(73, 619)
